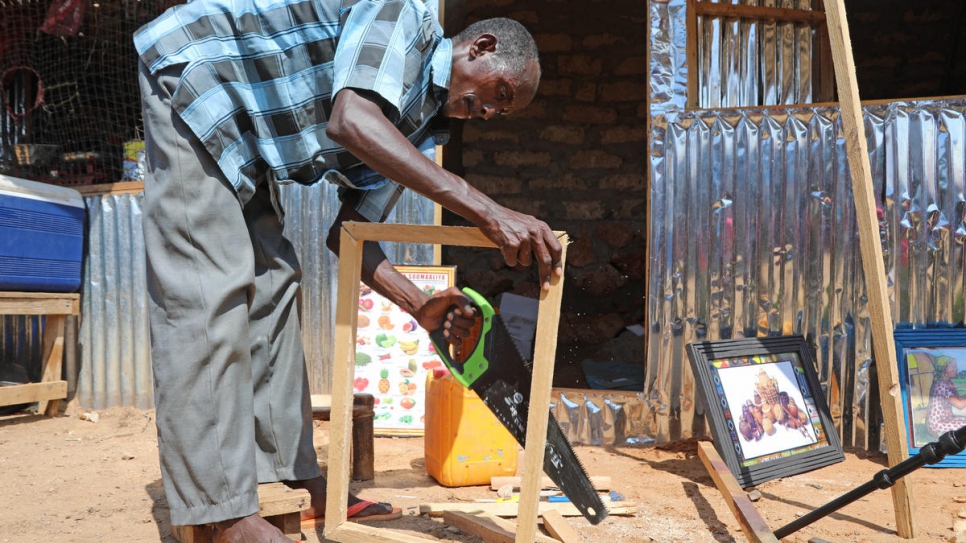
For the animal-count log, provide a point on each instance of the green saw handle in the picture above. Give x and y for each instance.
(472, 368)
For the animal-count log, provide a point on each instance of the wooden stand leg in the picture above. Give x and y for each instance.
(363, 456)
(53, 359)
(751, 522)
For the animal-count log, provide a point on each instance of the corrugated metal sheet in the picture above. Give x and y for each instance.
(114, 342)
(753, 234)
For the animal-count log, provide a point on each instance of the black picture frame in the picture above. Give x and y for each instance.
(736, 376)
(919, 353)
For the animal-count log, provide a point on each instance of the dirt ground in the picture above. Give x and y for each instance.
(66, 479)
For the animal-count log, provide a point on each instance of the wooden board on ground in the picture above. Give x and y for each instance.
(492, 529)
(509, 509)
(600, 482)
(558, 527)
(750, 520)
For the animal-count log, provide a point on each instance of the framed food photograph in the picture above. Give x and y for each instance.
(767, 414)
(394, 354)
(932, 374)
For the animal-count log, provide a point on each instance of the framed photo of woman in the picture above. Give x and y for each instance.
(932, 373)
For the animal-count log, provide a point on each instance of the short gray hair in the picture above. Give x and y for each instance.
(515, 45)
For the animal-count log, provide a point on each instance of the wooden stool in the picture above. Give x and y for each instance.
(277, 503)
(363, 457)
(55, 307)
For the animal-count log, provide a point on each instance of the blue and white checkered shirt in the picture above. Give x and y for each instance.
(259, 79)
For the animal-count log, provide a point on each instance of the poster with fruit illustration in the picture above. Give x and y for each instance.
(394, 355)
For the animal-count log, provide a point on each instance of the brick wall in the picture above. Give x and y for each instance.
(575, 158)
(908, 49)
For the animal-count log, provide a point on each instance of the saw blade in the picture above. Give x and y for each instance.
(504, 386)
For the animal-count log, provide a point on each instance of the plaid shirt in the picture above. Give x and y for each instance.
(259, 77)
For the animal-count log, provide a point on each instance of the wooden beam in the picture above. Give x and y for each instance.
(337, 486)
(104, 189)
(545, 341)
(741, 11)
(752, 523)
(691, 45)
(53, 361)
(33, 392)
(870, 245)
(600, 482)
(352, 532)
(510, 510)
(559, 528)
(39, 303)
(410, 233)
(492, 529)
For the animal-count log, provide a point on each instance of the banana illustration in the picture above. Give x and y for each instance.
(409, 347)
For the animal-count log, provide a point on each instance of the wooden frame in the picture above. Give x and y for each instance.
(55, 307)
(350, 266)
(823, 77)
(918, 351)
(783, 431)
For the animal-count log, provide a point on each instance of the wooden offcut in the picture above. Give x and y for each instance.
(752, 523)
(352, 237)
(277, 503)
(600, 482)
(559, 528)
(513, 510)
(870, 245)
(492, 529)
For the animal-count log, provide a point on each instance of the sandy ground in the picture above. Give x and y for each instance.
(66, 479)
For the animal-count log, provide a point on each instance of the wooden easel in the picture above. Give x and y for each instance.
(870, 245)
(350, 266)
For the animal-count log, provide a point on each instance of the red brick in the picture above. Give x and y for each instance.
(554, 87)
(579, 65)
(624, 91)
(632, 66)
(623, 134)
(482, 132)
(586, 92)
(615, 234)
(595, 159)
(553, 43)
(472, 157)
(589, 115)
(623, 181)
(584, 210)
(516, 159)
(524, 205)
(631, 208)
(525, 17)
(490, 184)
(536, 110)
(581, 253)
(563, 134)
(593, 42)
(568, 182)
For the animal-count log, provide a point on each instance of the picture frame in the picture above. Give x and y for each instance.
(924, 356)
(394, 354)
(765, 407)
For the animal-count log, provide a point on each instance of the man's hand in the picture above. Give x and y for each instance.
(451, 310)
(518, 235)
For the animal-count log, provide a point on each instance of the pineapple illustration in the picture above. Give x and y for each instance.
(384, 381)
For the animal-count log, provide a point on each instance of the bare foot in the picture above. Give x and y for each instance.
(316, 488)
(250, 529)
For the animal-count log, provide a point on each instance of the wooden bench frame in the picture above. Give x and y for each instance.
(54, 307)
(353, 236)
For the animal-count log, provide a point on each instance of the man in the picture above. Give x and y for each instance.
(238, 95)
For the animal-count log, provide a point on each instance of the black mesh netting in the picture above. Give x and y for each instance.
(68, 86)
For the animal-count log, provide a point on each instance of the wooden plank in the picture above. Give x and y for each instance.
(53, 360)
(600, 482)
(761, 13)
(33, 392)
(692, 44)
(545, 343)
(337, 487)
(103, 189)
(559, 528)
(510, 510)
(491, 529)
(352, 532)
(39, 303)
(192, 534)
(418, 233)
(870, 245)
(752, 523)
(278, 499)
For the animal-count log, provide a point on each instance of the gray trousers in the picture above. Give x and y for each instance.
(230, 384)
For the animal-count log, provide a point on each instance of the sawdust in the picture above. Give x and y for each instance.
(71, 480)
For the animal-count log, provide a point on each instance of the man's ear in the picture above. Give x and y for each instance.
(485, 43)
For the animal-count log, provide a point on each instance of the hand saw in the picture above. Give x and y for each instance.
(501, 377)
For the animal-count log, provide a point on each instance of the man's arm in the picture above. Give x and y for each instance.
(430, 312)
(358, 124)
